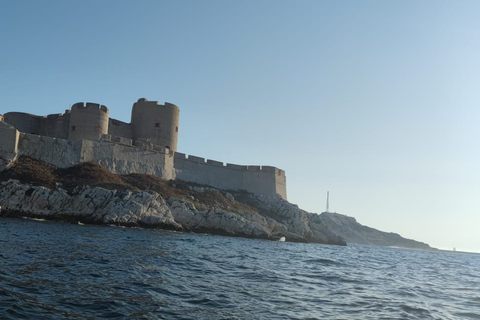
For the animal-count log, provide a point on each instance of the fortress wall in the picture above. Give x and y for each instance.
(204, 173)
(180, 155)
(215, 163)
(124, 159)
(58, 152)
(160, 149)
(23, 122)
(118, 128)
(120, 140)
(55, 125)
(154, 128)
(118, 158)
(9, 137)
(155, 122)
(196, 159)
(236, 166)
(1, 118)
(257, 179)
(89, 121)
(281, 183)
(265, 180)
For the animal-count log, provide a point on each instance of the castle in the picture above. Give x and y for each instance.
(148, 144)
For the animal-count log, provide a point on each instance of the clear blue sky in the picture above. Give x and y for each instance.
(375, 101)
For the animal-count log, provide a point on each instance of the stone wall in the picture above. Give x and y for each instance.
(257, 179)
(215, 174)
(24, 122)
(116, 157)
(58, 152)
(118, 128)
(8, 144)
(122, 157)
(125, 159)
(265, 180)
(55, 125)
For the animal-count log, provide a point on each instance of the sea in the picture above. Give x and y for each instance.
(54, 270)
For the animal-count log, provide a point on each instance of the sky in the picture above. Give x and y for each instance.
(376, 102)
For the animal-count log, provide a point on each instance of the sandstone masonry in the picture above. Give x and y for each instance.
(146, 145)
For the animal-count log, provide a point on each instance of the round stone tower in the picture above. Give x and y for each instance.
(155, 122)
(88, 121)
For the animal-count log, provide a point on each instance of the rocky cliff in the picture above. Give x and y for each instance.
(90, 194)
(353, 232)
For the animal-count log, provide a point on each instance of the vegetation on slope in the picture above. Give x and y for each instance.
(28, 170)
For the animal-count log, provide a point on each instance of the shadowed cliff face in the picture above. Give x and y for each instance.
(91, 194)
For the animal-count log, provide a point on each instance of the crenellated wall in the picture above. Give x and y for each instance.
(256, 179)
(118, 128)
(146, 145)
(55, 125)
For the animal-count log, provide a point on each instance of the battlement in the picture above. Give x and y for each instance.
(155, 103)
(146, 145)
(250, 168)
(170, 105)
(53, 116)
(228, 176)
(89, 106)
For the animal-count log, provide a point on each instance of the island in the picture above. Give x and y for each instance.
(84, 167)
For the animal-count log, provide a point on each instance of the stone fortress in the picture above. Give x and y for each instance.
(146, 145)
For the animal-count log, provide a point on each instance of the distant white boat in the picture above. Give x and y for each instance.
(282, 239)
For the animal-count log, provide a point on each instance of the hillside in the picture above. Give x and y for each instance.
(353, 232)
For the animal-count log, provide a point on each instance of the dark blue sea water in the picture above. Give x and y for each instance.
(54, 270)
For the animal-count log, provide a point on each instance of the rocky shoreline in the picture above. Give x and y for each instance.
(88, 193)
(98, 205)
(192, 208)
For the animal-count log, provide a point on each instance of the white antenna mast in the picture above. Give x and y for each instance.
(328, 196)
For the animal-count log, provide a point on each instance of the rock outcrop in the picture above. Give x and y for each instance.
(353, 232)
(94, 204)
(302, 225)
(87, 204)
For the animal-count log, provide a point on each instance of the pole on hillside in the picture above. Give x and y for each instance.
(328, 196)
